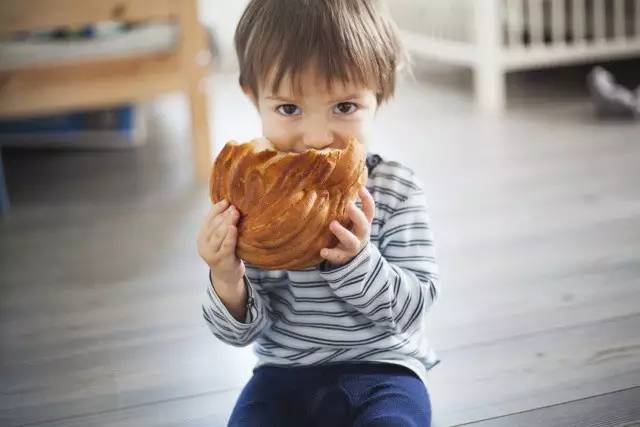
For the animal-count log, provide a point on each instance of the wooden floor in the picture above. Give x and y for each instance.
(618, 408)
(537, 220)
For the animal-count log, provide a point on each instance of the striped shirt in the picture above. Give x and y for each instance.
(372, 309)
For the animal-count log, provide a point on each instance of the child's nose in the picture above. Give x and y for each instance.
(318, 139)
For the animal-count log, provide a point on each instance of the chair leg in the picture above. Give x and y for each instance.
(200, 140)
(195, 62)
(4, 194)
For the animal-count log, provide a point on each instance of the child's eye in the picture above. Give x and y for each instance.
(345, 108)
(288, 110)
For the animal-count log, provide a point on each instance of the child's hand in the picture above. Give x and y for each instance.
(351, 242)
(217, 244)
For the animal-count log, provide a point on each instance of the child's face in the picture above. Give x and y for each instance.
(316, 118)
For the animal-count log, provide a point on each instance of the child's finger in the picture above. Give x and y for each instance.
(360, 222)
(217, 238)
(347, 238)
(215, 210)
(228, 246)
(368, 204)
(211, 221)
(218, 208)
(335, 256)
(230, 219)
(202, 241)
(223, 219)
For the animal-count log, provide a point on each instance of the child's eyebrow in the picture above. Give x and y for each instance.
(279, 98)
(346, 98)
(340, 99)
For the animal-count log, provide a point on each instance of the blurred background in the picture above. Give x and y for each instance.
(111, 113)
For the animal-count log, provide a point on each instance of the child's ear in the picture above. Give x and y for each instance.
(252, 96)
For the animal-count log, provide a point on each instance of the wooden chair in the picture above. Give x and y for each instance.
(103, 82)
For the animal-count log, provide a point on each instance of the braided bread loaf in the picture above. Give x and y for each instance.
(287, 200)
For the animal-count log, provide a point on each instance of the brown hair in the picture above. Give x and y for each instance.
(353, 41)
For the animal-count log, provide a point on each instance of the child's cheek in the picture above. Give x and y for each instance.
(279, 133)
(362, 133)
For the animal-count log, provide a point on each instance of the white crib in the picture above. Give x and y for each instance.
(495, 37)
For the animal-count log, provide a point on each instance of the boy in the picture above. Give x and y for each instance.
(341, 344)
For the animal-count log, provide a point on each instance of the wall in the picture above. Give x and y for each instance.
(223, 17)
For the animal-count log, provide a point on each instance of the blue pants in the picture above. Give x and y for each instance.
(335, 395)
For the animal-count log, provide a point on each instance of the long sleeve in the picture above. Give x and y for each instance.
(393, 285)
(373, 309)
(224, 326)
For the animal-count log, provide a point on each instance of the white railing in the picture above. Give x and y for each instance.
(527, 22)
(552, 32)
(570, 22)
(497, 36)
